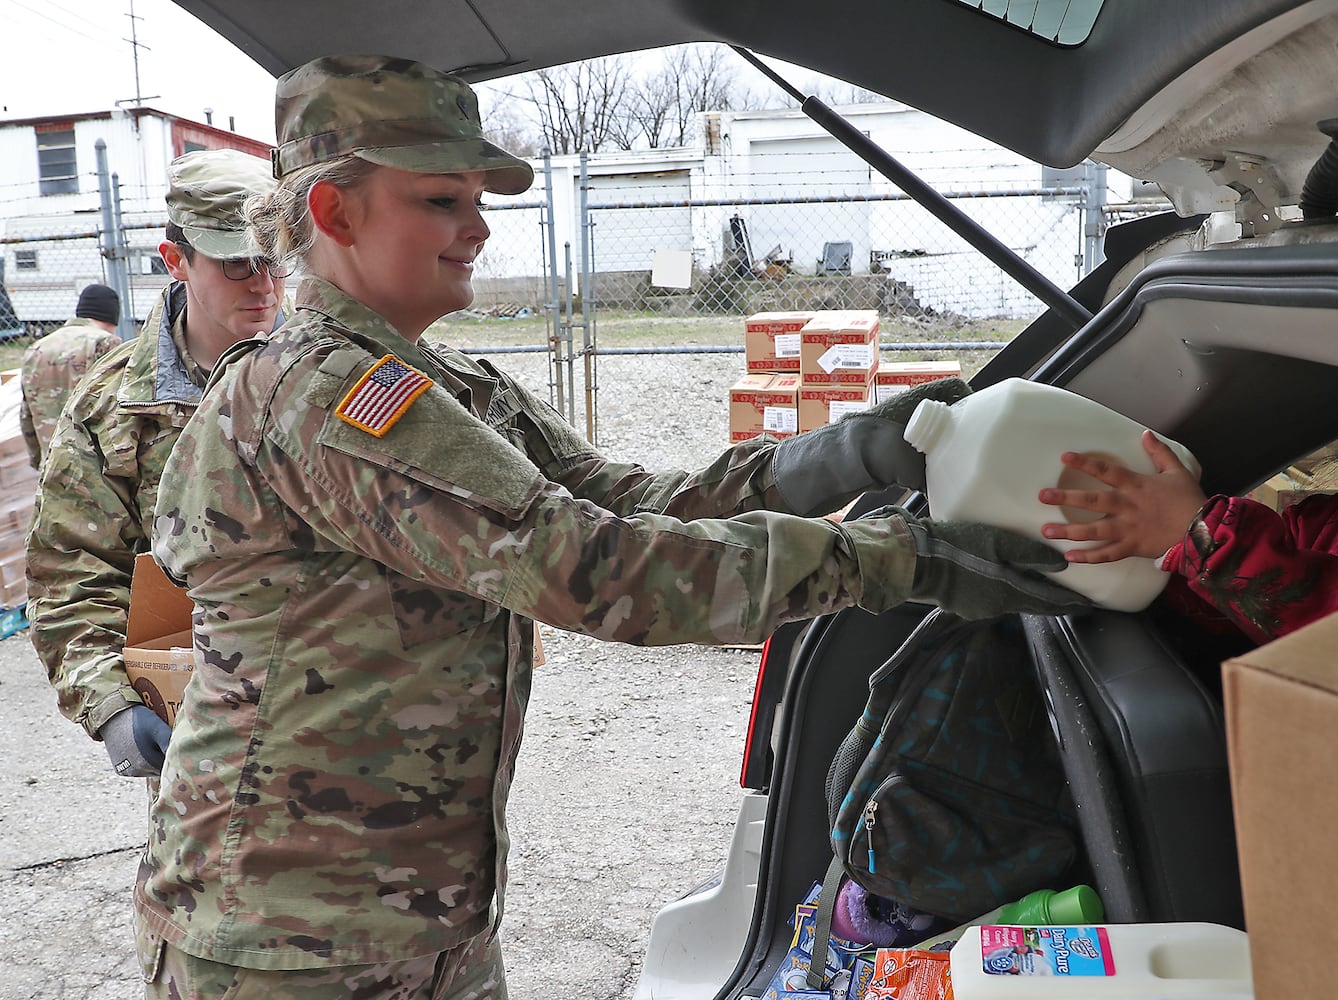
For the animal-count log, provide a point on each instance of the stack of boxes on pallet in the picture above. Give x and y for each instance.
(18, 488)
(806, 369)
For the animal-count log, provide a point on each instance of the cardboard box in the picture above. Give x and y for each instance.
(16, 514)
(1294, 484)
(14, 595)
(839, 347)
(159, 650)
(1281, 705)
(15, 472)
(771, 340)
(898, 376)
(820, 405)
(762, 403)
(13, 561)
(16, 448)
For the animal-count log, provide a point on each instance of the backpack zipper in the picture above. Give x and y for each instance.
(869, 819)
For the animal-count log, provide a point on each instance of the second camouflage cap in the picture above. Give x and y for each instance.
(395, 112)
(206, 191)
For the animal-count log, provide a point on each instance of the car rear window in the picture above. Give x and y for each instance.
(1065, 22)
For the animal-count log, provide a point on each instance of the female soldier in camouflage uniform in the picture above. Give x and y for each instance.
(369, 528)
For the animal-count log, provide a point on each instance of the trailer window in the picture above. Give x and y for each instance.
(57, 167)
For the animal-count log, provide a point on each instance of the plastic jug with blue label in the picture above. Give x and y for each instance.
(987, 456)
(1147, 961)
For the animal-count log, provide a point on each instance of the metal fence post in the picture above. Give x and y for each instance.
(589, 306)
(554, 305)
(1094, 216)
(109, 239)
(126, 325)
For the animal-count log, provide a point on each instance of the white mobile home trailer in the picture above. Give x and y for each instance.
(51, 213)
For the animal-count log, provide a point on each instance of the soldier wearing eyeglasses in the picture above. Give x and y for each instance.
(95, 505)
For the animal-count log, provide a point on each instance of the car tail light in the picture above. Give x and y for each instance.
(757, 745)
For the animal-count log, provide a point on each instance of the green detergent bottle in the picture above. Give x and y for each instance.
(1079, 905)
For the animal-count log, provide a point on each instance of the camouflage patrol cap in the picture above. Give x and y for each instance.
(395, 112)
(206, 190)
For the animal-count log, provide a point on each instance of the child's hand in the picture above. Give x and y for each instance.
(1144, 515)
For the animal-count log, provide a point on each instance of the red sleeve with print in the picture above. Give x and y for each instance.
(1268, 573)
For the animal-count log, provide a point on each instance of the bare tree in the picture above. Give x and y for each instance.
(504, 125)
(581, 107)
(694, 78)
(606, 104)
(836, 92)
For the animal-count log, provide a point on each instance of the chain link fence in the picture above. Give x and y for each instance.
(881, 252)
(51, 248)
(703, 243)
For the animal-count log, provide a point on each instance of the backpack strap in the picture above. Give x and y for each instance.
(822, 924)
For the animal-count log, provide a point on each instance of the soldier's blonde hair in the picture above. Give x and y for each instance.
(279, 222)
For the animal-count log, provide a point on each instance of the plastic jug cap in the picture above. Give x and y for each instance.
(1079, 905)
(926, 425)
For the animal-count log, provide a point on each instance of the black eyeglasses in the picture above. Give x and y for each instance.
(242, 268)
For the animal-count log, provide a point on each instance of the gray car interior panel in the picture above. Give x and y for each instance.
(1219, 351)
(956, 63)
(1144, 746)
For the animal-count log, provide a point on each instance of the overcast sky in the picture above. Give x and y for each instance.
(71, 56)
(75, 56)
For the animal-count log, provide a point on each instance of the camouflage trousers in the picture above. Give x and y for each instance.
(469, 971)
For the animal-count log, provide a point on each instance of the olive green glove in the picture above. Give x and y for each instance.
(823, 469)
(977, 571)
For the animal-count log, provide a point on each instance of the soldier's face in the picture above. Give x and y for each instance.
(219, 308)
(408, 243)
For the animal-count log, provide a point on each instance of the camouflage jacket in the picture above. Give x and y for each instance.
(51, 368)
(365, 584)
(93, 511)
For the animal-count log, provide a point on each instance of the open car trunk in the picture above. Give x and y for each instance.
(1233, 353)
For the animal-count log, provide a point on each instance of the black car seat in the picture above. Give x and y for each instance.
(1139, 720)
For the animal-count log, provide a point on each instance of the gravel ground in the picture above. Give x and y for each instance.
(624, 798)
(627, 785)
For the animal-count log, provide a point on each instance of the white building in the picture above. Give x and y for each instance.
(795, 194)
(50, 211)
(757, 186)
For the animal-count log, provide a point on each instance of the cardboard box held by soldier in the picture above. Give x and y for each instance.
(159, 654)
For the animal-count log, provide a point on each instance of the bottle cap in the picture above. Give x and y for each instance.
(1079, 905)
(927, 424)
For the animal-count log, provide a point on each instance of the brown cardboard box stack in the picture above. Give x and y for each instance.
(1281, 705)
(765, 399)
(806, 369)
(898, 376)
(771, 341)
(18, 488)
(838, 358)
(763, 403)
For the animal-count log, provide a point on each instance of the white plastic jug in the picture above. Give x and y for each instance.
(1147, 961)
(988, 455)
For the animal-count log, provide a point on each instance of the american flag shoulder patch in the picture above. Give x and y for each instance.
(382, 396)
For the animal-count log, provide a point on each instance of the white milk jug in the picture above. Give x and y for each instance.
(987, 456)
(1144, 961)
